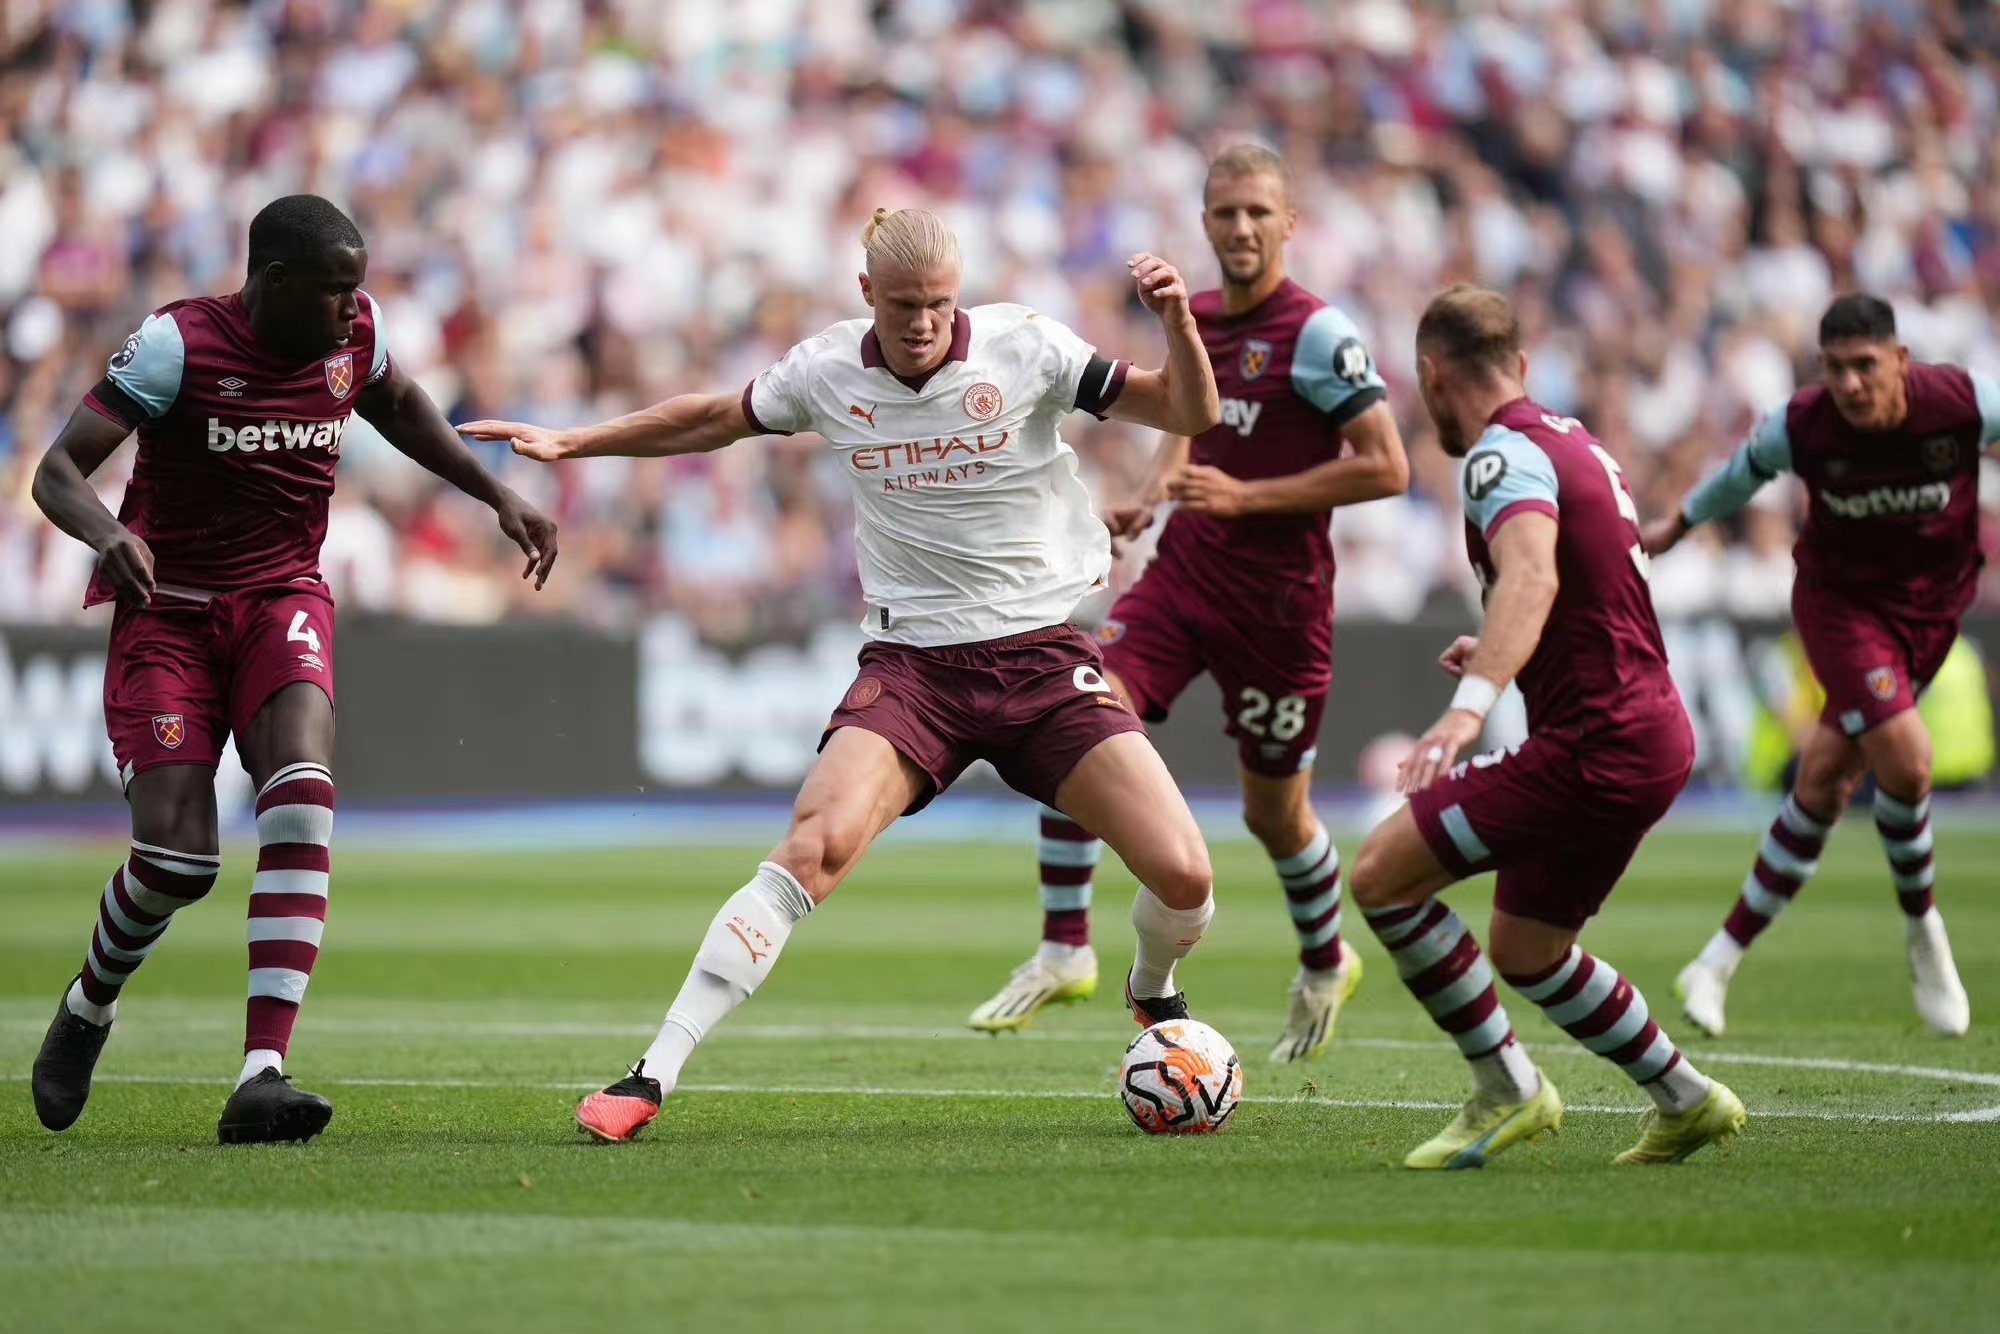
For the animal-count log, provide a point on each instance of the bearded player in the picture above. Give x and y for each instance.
(1888, 561)
(223, 625)
(1554, 538)
(976, 541)
(1242, 588)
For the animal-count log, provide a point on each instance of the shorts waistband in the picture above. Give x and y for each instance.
(1064, 630)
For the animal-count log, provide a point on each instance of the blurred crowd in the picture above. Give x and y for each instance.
(578, 207)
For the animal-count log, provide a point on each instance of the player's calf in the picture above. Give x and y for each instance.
(1786, 859)
(738, 953)
(1166, 935)
(287, 914)
(1068, 857)
(138, 903)
(1589, 1000)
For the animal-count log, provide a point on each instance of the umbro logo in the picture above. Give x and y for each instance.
(232, 387)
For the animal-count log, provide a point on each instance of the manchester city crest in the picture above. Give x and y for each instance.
(1256, 358)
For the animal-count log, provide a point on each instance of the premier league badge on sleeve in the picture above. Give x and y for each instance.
(1256, 356)
(340, 374)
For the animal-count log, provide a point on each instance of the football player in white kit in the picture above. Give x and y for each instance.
(975, 540)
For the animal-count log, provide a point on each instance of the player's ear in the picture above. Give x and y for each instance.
(1291, 222)
(1521, 365)
(273, 274)
(867, 291)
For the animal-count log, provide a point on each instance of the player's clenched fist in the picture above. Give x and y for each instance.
(127, 563)
(1161, 287)
(534, 442)
(1453, 659)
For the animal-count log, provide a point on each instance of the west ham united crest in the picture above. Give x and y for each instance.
(1940, 454)
(1882, 683)
(1256, 358)
(170, 730)
(340, 374)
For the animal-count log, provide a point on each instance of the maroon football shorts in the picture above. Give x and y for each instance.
(1273, 663)
(1032, 705)
(183, 674)
(1872, 664)
(1549, 820)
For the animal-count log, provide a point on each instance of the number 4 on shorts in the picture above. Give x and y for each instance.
(303, 633)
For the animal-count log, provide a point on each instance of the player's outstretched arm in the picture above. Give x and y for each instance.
(1524, 554)
(63, 491)
(1378, 467)
(1179, 398)
(398, 407)
(685, 424)
(1756, 461)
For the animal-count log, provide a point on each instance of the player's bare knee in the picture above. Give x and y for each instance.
(1283, 830)
(1524, 954)
(1372, 882)
(818, 852)
(1908, 779)
(1184, 878)
(176, 812)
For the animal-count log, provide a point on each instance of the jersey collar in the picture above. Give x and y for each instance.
(961, 345)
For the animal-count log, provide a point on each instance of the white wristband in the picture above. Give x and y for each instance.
(1475, 695)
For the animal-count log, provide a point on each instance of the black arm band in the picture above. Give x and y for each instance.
(118, 405)
(1099, 385)
(1354, 406)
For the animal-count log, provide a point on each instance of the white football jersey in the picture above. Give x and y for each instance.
(970, 521)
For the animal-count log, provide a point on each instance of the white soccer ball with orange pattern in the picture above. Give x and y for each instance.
(1180, 1078)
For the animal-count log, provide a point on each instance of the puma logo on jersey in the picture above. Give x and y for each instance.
(854, 410)
(1241, 414)
(739, 928)
(253, 436)
(1929, 498)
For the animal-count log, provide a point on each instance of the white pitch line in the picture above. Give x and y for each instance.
(1022, 1095)
(917, 1033)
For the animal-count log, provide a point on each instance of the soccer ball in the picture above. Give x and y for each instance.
(1180, 1078)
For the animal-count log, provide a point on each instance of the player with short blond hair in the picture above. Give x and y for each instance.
(976, 540)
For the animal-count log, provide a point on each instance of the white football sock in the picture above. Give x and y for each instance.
(256, 1062)
(1722, 953)
(1166, 935)
(1058, 955)
(1680, 1089)
(1506, 1073)
(83, 1009)
(737, 954)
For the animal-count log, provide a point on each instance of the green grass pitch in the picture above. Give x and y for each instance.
(846, 1156)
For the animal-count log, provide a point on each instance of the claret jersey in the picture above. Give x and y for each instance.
(237, 447)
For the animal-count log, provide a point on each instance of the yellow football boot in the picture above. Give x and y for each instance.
(1485, 1126)
(1035, 984)
(1717, 1119)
